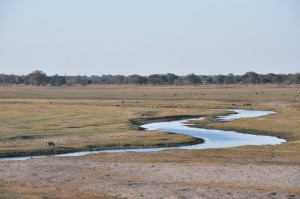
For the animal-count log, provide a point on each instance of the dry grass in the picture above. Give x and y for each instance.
(79, 118)
(97, 117)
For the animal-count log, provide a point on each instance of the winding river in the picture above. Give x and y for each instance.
(213, 138)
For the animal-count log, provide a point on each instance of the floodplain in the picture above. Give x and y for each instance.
(108, 117)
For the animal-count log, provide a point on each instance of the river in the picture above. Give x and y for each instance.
(213, 138)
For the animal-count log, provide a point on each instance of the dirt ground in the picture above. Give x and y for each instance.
(93, 176)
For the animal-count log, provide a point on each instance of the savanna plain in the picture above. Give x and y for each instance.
(108, 117)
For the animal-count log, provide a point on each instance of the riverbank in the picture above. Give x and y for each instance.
(213, 122)
(61, 150)
(200, 138)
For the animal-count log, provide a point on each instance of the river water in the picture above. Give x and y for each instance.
(213, 138)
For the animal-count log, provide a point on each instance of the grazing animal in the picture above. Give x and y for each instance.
(50, 144)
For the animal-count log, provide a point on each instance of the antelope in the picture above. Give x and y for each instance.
(50, 144)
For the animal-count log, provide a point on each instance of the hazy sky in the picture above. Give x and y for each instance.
(149, 36)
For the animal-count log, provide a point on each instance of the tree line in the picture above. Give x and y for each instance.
(39, 78)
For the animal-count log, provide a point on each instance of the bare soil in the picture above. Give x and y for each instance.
(102, 175)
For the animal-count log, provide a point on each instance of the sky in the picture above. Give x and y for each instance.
(96, 37)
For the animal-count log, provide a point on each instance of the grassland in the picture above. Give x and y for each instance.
(107, 117)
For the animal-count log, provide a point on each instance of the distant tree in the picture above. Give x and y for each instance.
(137, 79)
(78, 80)
(2, 78)
(296, 78)
(266, 79)
(154, 79)
(7, 79)
(253, 77)
(19, 79)
(203, 79)
(250, 78)
(262, 79)
(237, 79)
(179, 80)
(37, 78)
(192, 79)
(163, 79)
(289, 79)
(40, 78)
(95, 79)
(219, 79)
(277, 79)
(107, 79)
(11, 79)
(84, 80)
(70, 81)
(210, 79)
(229, 79)
(57, 80)
(171, 78)
(120, 79)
